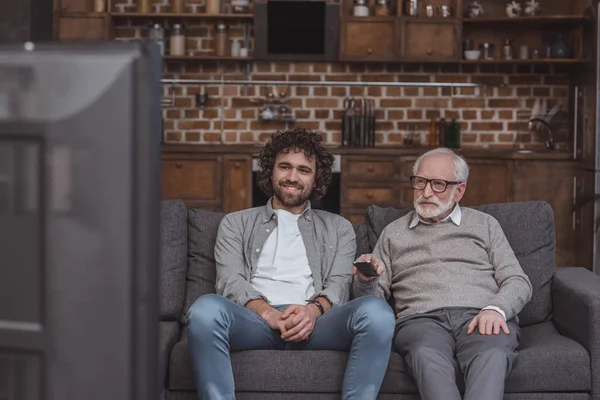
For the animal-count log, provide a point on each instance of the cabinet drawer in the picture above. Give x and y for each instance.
(354, 216)
(365, 170)
(367, 40)
(430, 41)
(191, 179)
(368, 196)
(406, 168)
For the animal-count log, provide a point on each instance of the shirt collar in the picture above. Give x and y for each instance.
(269, 211)
(455, 216)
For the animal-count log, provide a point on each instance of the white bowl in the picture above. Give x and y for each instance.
(472, 54)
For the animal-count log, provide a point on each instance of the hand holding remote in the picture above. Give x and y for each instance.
(366, 267)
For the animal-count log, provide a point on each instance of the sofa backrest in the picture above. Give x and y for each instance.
(173, 258)
(203, 227)
(529, 228)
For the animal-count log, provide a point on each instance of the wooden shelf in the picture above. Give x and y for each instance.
(542, 19)
(181, 16)
(530, 61)
(74, 14)
(207, 57)
(390, 18)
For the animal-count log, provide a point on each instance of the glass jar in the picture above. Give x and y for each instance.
(99, 6)
(361, 8)
(382, 8)
(222, 40)
(177, 41)
(213, 6)
(177, 6)
(144, 6)
(156, 33)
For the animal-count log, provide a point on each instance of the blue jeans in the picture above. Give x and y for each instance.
(216, 326)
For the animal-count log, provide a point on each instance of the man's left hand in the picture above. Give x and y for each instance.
(299, 322)
(489, 321)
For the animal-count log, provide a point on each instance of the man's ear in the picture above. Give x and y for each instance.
(460, 191)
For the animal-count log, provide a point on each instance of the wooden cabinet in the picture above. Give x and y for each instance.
(372, 40)
(490, 181)
(210, 181)
(431, 41)
(553, 182)
(367, 181)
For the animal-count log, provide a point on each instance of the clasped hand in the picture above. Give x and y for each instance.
(295, 323)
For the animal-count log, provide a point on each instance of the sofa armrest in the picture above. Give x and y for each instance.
(576, 304)
(168, 337)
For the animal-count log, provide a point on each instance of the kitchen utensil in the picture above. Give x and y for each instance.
(472, 54)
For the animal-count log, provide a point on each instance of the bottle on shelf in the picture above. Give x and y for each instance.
(453, 135)
(222, 40)
(177, 41)
(442, 128)
(433, 137)
(156, 33)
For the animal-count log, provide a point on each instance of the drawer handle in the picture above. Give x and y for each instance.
(429, 52)
(237, 165)
(178, 165)
(369, 195)
(369, 51)
(370, 168)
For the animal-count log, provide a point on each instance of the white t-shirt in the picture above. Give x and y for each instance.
(283, 274)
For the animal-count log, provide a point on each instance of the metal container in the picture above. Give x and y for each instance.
(412, 7)
(487, 51)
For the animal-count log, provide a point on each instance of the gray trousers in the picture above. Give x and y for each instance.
(436, 344)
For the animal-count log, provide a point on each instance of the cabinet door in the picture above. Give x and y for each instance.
(194, 179)
(490, 181)
(554, 182)
(430, 41)
(368, 40)
(237, 185)
(81, 28)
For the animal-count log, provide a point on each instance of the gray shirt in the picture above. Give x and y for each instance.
(330, 244)
(432, 266)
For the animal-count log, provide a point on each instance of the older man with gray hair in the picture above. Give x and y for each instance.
(456, 283)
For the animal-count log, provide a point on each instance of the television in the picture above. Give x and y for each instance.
(296, 30)
(79, 221)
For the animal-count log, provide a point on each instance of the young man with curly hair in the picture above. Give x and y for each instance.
(283, 280)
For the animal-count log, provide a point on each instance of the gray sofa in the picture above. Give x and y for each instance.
(559, 348)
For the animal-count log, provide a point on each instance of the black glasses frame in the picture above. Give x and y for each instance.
(429, 181)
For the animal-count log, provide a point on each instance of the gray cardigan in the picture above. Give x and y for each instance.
(330, 248)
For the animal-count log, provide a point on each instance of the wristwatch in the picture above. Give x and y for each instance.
(318, 304)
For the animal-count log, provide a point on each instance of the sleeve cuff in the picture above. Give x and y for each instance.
(495, 309)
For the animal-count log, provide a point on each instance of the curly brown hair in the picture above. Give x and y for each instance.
(299, 139)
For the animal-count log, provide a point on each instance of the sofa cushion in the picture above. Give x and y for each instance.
(173, 258)
(529, 228)
(203, 227)
(547, 362)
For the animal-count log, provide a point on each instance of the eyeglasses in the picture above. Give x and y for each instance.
(437, 185)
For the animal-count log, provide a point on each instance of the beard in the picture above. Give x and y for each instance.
(435, 208)
(291, 199)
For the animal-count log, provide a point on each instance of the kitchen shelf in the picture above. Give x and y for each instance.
(542, 19)
(529, 61)
(207, 57)
(181, 16)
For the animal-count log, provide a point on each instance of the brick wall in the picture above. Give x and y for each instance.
(489, 117)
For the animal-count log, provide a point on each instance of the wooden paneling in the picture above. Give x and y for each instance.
(490, 181)
(553, 182)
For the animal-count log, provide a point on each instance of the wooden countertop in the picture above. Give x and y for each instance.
(502, 154)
